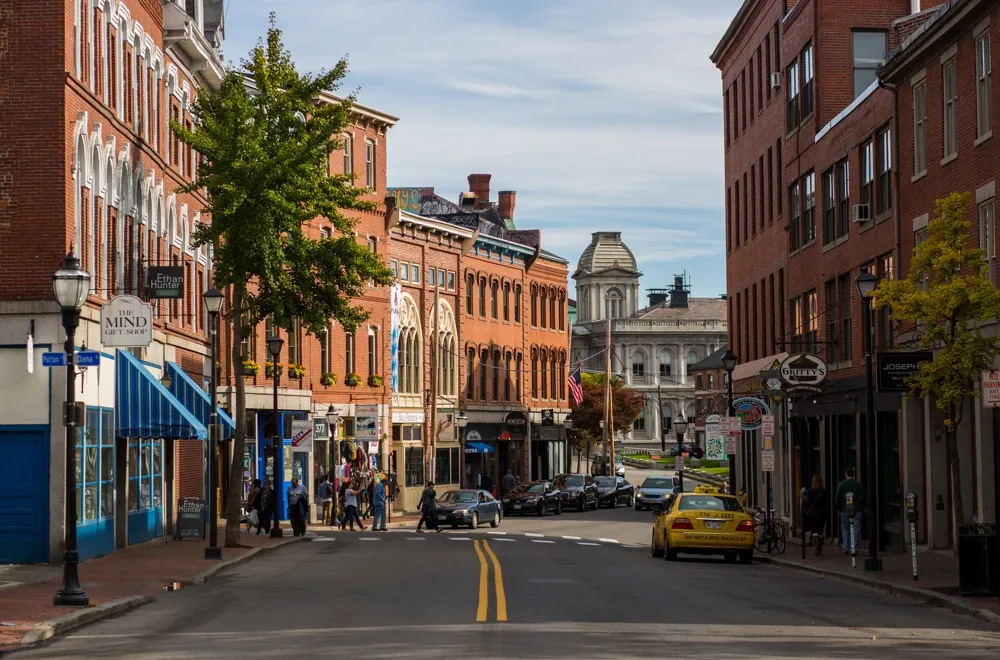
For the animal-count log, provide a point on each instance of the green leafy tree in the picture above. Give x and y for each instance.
(948, 290)
(265, 174)
(627, 404)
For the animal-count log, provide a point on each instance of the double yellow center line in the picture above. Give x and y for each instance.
(482, 611)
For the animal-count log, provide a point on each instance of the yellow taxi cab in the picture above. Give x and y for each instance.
(704, 522)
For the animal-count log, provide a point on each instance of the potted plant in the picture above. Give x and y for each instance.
(250, 368)
(375, 381)
(352, 380)
(271, 369)
(329, 379)
(297, 371)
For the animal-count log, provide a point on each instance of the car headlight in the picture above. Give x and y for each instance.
(461, 512)
(639, 495)
(506, 500)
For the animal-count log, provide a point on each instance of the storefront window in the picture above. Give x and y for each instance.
(442, 469)
(414, 466)
(145, 473)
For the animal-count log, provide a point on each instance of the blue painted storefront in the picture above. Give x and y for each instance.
(24, 494)
(264, 442)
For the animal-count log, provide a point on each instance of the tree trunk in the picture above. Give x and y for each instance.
(951, 438)
(236, 464)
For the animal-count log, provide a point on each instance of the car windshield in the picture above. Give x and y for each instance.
(605, 482)
(658, 482)
(536, 488)
(571, 480)
(456, 496)
(709, 503)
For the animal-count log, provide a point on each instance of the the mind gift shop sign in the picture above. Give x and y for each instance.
(127, 322)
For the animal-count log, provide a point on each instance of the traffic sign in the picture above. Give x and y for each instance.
(88, 359)
(767, 425)
(767, 460)
(53, 359)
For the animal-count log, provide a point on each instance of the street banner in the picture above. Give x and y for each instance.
(303, 434)
(395, 293)
(366, 421)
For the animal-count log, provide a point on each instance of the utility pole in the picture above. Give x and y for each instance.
(608, 405)
(434, 382)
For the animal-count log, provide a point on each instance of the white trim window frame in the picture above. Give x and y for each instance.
(949, 116)
(987, 237)
(920, 128)
(984, 75)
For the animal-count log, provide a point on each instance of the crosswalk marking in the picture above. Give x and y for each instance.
(508, 540)
(532, 534)
(608, 540)
(586, 543)
(572, 538)
(541, 541)
(368, 538)
(497, 533)
(323, 539)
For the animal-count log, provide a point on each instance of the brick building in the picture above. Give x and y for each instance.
(87, 114)
(942, 74)
(710, 395)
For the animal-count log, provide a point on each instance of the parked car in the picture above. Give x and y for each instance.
(597, 466)
(468, 507)
(655, 491)
(613, 491)
(535, 497)
(694, 451)
(578, 490)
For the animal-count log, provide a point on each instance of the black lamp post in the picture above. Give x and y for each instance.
(462, 421)
(729, 362)
(568, 425)
(274, 344)
(866, 283)
(71, 285)
(680, 427)
(213, 304)
(332, 419)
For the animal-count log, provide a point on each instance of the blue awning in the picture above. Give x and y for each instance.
(473, 447)
(144, 408)
(197, 401)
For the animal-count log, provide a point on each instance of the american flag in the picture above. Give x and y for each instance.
(576, 387)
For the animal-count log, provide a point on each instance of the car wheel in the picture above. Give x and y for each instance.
(656, 552)
(614, 502)
(454, 525)
(558, 508)
(730, 557)
(668, 553)
(597, 505)
(746, 556)
(541, 509)
(631, 500)
(475, 520)
(496, 519)
(583, 503)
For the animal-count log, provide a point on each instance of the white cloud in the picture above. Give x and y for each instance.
(580, 102)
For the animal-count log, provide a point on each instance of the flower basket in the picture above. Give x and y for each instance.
(272, 369)
(250, 368)
(352, 380)
(375, 381)
(328, 380)
(296, 371)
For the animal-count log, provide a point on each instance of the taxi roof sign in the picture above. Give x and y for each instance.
(705, 489)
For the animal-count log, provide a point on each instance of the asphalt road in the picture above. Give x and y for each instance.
(486, 595)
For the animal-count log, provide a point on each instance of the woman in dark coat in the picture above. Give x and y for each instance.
(265, 507)
(815, 510)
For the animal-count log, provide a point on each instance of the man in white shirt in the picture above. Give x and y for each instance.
(351, 507)
(298, 507)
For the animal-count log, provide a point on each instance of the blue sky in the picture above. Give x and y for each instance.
(601, 115)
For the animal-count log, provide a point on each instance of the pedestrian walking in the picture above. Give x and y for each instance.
(253, 506)
(298, 507)
(814, 512)
(509, 481)
(853, 486)
(428, 508)
(265, 508)
(379, 499)
(487, 484)
(326, 499)
(351, 507)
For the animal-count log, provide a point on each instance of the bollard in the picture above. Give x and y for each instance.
(802, 508)
(911, 516)
(850, 510)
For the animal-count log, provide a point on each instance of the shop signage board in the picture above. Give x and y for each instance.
(191, 518)
(751, 411)
(804, 372)
(408, 417)
(895, 367)
(767, 460)
(991, 389)
(321, 430)
(516, 421)
(772, 382)
(548, 417)
(165, 282)
(302, 435)
(366, 421)
(715, 443)
(127, 322)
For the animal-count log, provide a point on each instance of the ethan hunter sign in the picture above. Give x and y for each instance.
(127, 322)
(896, 367)
(165, 282)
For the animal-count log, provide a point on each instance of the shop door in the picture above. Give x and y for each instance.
(24, 494)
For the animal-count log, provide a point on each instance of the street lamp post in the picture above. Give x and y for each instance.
(71, 285)
(604, 449)
(680, 427)
(274, 344)
(332, 420)
(213, 304)
(866, 283)
(729, 362)
(462, 421)
(568, 425)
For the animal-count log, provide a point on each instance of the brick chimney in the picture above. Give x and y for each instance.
(480, 184)
(506, 204)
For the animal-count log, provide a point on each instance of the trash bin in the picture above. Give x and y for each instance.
(978, 560)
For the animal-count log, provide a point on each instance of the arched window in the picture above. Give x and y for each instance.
(506, 301)
(552, 309)
(484, 359)
(639, 363)
(534, 305)
(692, 358)
(494, 285)
(80, 197)
(545, 374)
(614, 304)
(517, 303)
(545, 296)
(666, 364)
(553, 379)
(562, 375)
(534, 373)
(409, 352)
(446, 343)
(470, 374)
(470, 285)
(562, 310)
(495, 376)
(482, 297)
(506, 376)
(518, 360)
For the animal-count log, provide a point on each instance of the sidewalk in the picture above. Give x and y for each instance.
(937, 573)
(116, 583)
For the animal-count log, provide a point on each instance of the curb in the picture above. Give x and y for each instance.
(67, 622)
(927, 596)
(209, 573)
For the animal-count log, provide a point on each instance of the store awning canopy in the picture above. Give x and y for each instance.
(474, 447)
(197, 401)
(144, 408)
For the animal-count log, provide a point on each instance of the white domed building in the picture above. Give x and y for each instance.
(651, 346)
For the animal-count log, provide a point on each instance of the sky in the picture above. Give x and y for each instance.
(602, 115)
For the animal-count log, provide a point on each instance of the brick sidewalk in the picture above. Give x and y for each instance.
(937, 570)
(140, 571)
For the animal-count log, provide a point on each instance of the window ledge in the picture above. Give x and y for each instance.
(948, 159)
(829, 246)
(986, 136)
(919, 175)
(864, 226)
(882, 217)
(842, 239)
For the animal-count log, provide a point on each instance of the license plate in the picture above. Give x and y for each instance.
(442, 517)
(714, 524)
(517, 506)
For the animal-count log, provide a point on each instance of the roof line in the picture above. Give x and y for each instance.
(731, 31)
(908, 50)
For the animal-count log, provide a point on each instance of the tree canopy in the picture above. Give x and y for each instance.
(588, 415)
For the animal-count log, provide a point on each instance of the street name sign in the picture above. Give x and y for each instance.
(88, 359)
(53, 359)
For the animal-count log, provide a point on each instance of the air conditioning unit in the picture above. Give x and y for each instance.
(861, 212)
(776, 81)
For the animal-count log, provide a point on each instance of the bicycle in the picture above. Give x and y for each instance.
(770, 535)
